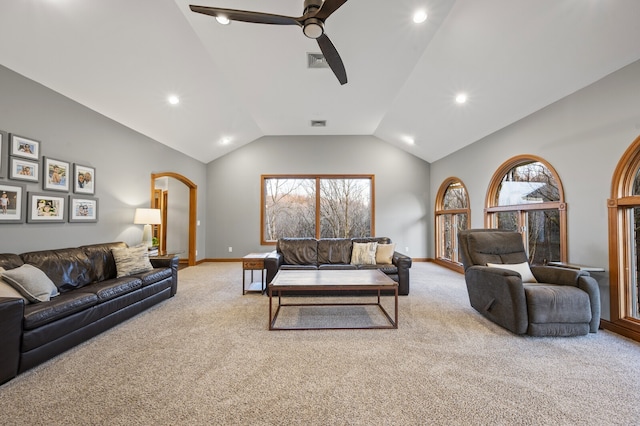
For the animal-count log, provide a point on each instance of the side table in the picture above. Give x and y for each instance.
(254, 262)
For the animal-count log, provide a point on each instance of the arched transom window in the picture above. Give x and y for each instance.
(525, 195)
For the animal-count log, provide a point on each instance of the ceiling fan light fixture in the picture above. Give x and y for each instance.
(313, 28)
(223, 20)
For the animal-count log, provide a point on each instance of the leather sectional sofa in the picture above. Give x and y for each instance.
(91, 300)
(333, 253)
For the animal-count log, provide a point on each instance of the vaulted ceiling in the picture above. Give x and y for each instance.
(238, 82)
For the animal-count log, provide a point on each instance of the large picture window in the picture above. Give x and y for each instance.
(526, 195)
(316, 206)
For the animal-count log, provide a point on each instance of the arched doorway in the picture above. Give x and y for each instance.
(193, 203)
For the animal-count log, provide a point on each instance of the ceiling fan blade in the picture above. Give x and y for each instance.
(333, 58)
(247, 16)
(328, 7)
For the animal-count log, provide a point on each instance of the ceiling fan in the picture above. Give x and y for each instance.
(312, 23)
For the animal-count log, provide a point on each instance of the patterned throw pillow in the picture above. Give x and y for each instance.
(31, 282)
(384, 253)
(131, 260)
(364, 253)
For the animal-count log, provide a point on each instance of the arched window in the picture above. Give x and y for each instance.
(452, 215)
(624, 243)
(526, 195)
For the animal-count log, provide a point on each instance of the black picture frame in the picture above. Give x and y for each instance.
(55, 174)
(83, 209)
(24, 147)
(22, 169)
(17, 196)
(84, 179)
(4, 149)
(46, 208)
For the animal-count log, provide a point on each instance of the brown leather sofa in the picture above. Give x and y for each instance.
(333, 253)
(92, 299)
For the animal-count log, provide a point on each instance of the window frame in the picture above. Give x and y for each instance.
(620, 221)
(522, 209)
(440, 211)
(317, 178)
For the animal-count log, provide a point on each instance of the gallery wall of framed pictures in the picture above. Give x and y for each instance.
(68, 189)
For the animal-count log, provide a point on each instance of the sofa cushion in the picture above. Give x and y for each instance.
(31, 282)
(334, 250)
(521, 268)
(102, 263)
(39, 314)
(299, 251)
(131, 260)
(109, 289)
(364, 253)
(155, 275)
(547, 303)
(68, 268)
(335, 266)
(6, 290)
(387, 269)
(384, 253)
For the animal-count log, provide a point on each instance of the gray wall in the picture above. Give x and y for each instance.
(123, 159)
(583, 136)
(233, 193)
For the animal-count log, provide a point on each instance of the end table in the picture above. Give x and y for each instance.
(254, 262)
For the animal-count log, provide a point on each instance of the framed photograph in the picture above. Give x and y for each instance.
(4, 143)
(55, 175)
(46, 208)
(12, 202)
(84, 179)
(83, 209)
(23, 147)
(20, 169)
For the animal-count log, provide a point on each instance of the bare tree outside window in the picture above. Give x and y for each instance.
(316, 206)
(452, 216)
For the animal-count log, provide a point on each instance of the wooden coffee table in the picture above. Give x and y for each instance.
(336, 281)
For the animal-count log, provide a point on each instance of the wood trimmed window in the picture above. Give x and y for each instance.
(624, 244)
(526, 195)
(452, 215)
(316, 206)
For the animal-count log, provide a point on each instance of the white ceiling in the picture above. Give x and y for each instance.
(122, 58)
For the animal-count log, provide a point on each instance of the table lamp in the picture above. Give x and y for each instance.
(147, 217)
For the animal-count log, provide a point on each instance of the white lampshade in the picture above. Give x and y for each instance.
(147, 217)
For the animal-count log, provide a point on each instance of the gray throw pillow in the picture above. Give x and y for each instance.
(131, 260)
(7, 291)
(31, 282)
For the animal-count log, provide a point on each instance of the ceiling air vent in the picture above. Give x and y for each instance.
(318, 123)
(316, 60)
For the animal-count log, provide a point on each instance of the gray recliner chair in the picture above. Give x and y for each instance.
(556, 301)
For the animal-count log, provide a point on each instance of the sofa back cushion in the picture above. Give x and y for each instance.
(379, 240)
(10, 261)
(100, 256)
(298, 251)
(334, 251)
(68, 268)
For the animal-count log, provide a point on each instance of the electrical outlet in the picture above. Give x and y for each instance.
(230, 249)
(406, 249)
(196, 252)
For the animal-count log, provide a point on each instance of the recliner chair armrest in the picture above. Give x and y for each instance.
(590, 285)
(272, 264)
(556, 275)
(11, 316)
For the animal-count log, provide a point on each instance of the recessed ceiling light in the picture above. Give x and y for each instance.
(173, 100)
(420, 16)
(409, 140)
(461, 98)
(223, 20)
(225, 141)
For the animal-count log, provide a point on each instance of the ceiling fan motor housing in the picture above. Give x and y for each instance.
(313, 27)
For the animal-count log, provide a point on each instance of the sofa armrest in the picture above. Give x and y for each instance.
(168, 262)
(403, 263)
(498, 294)
(11, 315)
(272, 264)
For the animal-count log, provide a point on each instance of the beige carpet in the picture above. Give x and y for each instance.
(206, 357)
